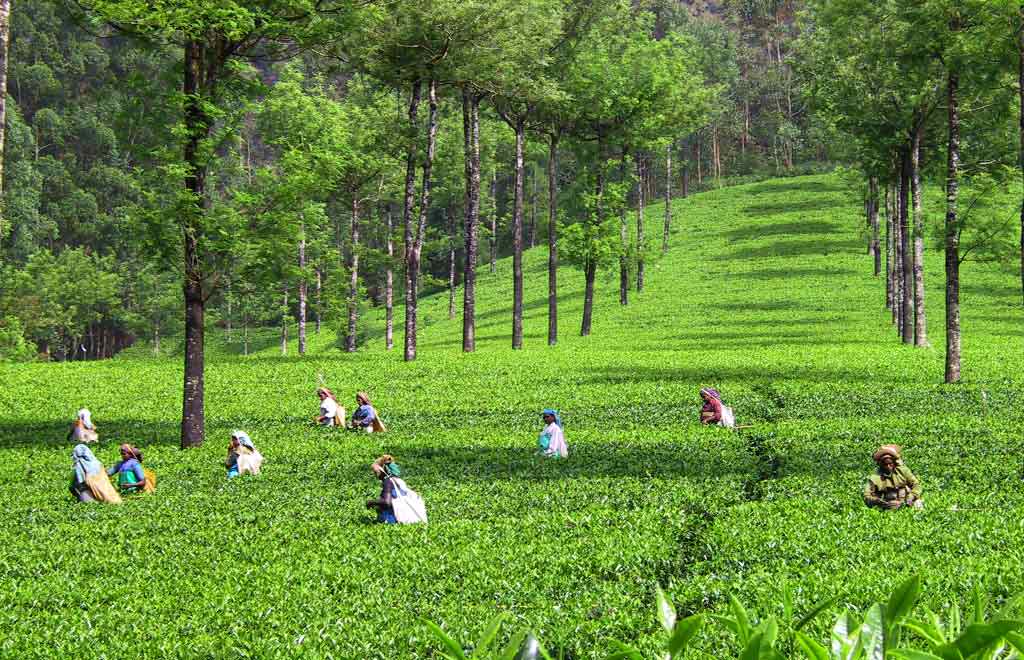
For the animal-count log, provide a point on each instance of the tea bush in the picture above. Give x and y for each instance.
(766, 294)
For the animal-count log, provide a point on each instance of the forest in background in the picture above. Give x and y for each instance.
(91, 146)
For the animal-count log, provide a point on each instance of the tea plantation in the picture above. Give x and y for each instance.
(766, 294)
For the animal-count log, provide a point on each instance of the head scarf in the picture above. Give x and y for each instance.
(388, 463)
(86, 417)
(363, 398)
(324, 390)
(553, 413)
(887, 450)
(84, 463)
(711, 392)
(243, 439)
(132, 451)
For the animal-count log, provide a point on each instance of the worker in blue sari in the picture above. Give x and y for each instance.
(88, 482)
(131, 478)
(365, 417)
(552, 440)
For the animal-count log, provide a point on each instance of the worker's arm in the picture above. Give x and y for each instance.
(384, 501)
(913, 483)
(871, 495)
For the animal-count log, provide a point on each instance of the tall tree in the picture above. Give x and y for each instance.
(5, 39)
(210, 43)
(471, 155)
(657, 85)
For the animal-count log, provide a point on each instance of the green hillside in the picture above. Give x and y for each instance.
(766, 294)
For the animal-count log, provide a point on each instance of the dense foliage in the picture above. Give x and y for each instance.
(772, 301)
(92, 157)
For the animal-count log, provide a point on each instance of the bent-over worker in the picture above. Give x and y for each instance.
(365, 415)
(893, 485)
(331, 414)
(711, 412)
(89, 482)
(82, 429)
(243, 458)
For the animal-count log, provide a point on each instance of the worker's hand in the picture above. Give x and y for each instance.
(369, 504)
(892, 505)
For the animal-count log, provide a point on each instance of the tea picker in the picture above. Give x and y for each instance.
(397, 504)
(893, 485)
(331, 414)
(366, 418)
(89, 481)
(82, 429)
(131, 476)
(243, 457)
(551, 440)
(714, 411)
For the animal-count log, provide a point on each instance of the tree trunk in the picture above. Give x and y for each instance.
(450, 215)
(888, 247)
(227, 321)
(5, 39)
(408, 210)
(302, 290)
(553, 238)
(245, 332)
(353, 278)
(717, 153)
(641, 199)
(1020, 90)
(534, 196)
(686, 169)
(898, 266)
(197, 127)
(907, 249)
(876, 248)
(415, 250)
(590, 267)
(156, 339)
(284, 323)
(623, 238)
(743, 137)
(494, 219)
(697, 159)
(668, 197)
(389, 284)
(920, 332)
(651, 183)
(319, 290)
(471, 158)
(953, 235)
(517, 237)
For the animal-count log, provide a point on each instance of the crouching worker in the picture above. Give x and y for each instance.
(243, 458)
(397, 504)
(714, 412)
(82, 429)
(89, 483)
(331, 414)
(131, 477)
(366, 418)
(893, 485)
(551, 440)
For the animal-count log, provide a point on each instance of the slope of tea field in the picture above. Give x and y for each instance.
(765, 294)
